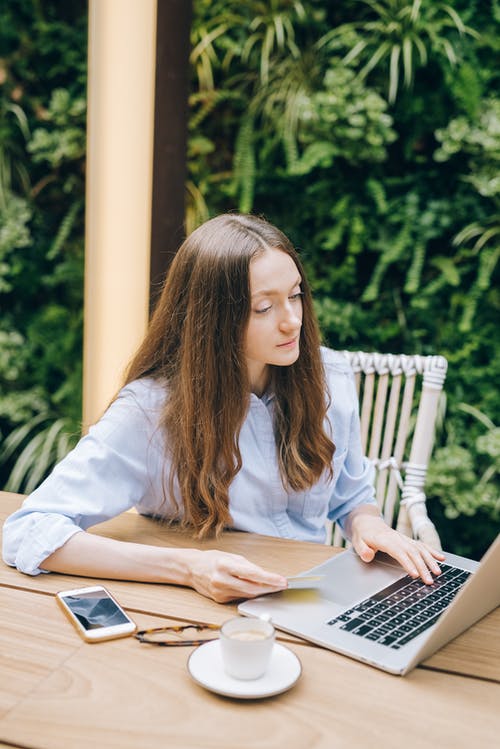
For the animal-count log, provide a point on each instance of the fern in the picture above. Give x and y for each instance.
(64, 229)
(244, 165)
(357, 233)
(390, 255)
(196, 207)
(39, 450)
(415, 270)
(291, 150)
(209, 101)
(488, 260)
(376, 191)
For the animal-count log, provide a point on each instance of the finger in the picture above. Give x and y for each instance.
(404, 553)
(430, 556)
(365, 552)
(423, 560)
(435, 553)
(421, 566)
(231, 588)
(416, 557)
(258, 576)
(250, 578)
(406, 561)
(251, 590)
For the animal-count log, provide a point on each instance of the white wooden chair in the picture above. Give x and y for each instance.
(399, 398)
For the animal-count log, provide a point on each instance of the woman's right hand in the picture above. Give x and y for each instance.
(216, 574)
(225, 577)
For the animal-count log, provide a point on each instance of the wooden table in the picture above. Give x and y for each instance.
(58, 691)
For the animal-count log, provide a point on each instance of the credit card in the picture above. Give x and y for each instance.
(304, 581)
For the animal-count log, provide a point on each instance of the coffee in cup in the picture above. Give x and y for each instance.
(246, 647)
(251, 634)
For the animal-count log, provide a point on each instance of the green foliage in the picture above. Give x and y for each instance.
(65, 140)
(15, 215)
(370, 136)
(477, 138)
(342, 119)
(399, 35)
(41, 442)
(369, 132)
(271, 29)
(466, 481)
(453, 478)
(42, 151)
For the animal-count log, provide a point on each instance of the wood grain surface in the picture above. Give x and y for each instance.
(58, 691)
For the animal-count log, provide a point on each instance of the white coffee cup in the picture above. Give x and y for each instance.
(246, 647)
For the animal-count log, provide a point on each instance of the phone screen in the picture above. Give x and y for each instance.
(95, 609)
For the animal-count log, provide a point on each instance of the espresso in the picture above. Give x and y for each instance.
(248, 634)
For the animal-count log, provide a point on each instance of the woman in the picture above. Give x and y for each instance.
(231, 416)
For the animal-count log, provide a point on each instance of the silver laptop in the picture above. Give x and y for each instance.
(378, 614)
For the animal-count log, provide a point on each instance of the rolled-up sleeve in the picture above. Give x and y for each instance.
(106, 474)
(353, 489)
(353, 472)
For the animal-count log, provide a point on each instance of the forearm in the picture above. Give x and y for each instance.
(215, 574)
(89, 555)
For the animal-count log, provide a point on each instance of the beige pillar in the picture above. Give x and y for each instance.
(122, 42)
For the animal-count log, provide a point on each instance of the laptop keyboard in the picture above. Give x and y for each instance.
(403, 610)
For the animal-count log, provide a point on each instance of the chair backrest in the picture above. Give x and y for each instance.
(399, 398)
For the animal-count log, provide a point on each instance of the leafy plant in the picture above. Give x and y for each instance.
(271, 28)
(479, 141)
(466, 487)
(38, 444)
(42, 147)
(399, 35)
(368, 131)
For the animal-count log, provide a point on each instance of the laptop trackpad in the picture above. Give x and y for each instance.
(348, 579)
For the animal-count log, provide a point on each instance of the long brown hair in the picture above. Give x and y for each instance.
(195, 345)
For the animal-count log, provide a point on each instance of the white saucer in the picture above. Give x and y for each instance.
(205, 666)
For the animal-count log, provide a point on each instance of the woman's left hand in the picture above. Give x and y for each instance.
(370, 533)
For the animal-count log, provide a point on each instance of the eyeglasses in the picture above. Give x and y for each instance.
(178, 635)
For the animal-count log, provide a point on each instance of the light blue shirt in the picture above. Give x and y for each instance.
(123, 463)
